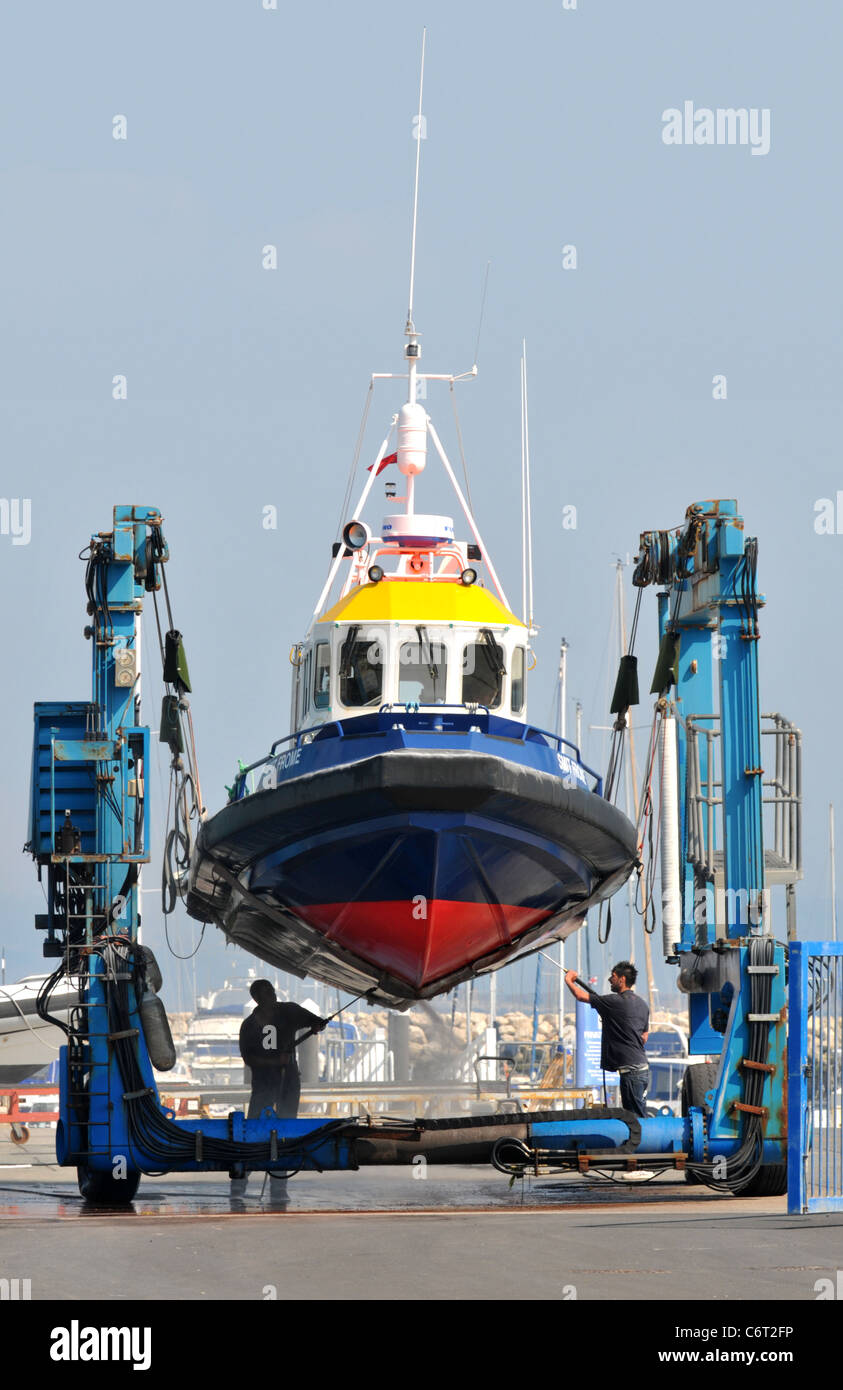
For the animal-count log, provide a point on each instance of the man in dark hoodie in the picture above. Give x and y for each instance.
(268, 1047)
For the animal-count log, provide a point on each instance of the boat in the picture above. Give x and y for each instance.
(210, 1050)
(29, 1044)
(413, 829)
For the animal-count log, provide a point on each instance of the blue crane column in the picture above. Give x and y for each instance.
(89, 831)
(709, 613)
(89, 813)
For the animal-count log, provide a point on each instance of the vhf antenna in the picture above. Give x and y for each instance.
(482, 309)
(410, 328)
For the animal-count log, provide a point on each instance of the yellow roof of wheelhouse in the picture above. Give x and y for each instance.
(417, 601)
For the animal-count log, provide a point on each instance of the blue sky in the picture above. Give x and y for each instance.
(247, 127)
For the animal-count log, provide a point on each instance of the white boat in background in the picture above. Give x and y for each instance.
(209, 1054)
(211, 1048)
(28, 1043)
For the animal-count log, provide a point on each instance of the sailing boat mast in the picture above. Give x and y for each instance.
(562, 689)
(831, 855)
(526, 518)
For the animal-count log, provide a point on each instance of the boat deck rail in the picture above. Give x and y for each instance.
(415, 718)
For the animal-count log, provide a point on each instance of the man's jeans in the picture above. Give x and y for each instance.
(275, 1088)
(634, 1086)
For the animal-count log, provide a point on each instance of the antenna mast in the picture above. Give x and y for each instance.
(410, 326)
(412, 417)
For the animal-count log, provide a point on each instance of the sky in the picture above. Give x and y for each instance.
(249, 127)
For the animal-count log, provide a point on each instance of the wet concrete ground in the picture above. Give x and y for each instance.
(458, 1233)
(51, 1194)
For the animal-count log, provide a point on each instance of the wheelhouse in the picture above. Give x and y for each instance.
(353, 668)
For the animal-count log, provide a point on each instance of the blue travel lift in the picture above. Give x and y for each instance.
(89, 831)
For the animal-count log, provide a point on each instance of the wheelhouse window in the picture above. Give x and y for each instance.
(422, 671)
(361, 670)
(516, 700)
(322, 676)
(483, 670)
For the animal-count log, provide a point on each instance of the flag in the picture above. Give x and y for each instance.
(390, 458)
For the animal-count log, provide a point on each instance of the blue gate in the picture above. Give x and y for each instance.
(815, 1077)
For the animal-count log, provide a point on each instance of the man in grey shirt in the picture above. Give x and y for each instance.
(626, 1023)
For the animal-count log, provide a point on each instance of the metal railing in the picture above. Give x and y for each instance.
(474, 1062)
(815, 1077)
(783, 856)
(359, 1060)
(414, 718)
(786, 786)
(508, 1070)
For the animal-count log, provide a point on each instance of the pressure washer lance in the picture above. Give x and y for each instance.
(311, 1031)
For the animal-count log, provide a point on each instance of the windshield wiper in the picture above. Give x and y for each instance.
(432, 668)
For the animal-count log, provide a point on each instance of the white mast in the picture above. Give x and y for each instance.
(526, 518)
(833, 872)
(562, 689)
(412, 417)
(560, 729)
(579, 750)
(669, 835)
(410, 329)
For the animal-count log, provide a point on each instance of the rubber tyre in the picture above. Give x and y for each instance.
(769, 1181)
(698, 1079)
(103, 1190)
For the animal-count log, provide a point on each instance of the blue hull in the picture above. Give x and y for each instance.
(394, 855)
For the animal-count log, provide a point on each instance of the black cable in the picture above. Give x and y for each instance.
(613, 779)
(42, 1000)
(150, 1131)
(633, 632)
(746, 1162)
(183, 801)
(176, 953)
(600, 937)
(616, 755)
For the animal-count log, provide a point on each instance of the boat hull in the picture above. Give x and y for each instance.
(412, 865)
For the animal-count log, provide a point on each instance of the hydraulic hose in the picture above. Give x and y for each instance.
(745, 1163)
(150, 1130)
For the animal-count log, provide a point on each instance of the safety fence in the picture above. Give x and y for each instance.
(357, 1059)
(815, 1077)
